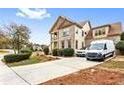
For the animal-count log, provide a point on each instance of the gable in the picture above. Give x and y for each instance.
(115, 29)
(63, 22)
(66, 23)
(56, 25)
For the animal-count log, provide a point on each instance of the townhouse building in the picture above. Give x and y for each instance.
(66, 33)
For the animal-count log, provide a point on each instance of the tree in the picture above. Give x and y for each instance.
(46, 50)
(4, 39)
(19, 35)
(122, 36)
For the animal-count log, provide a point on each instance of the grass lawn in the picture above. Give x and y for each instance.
(117, 62)
(32, 60)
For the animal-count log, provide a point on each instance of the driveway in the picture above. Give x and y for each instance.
(42, 72)
(8, 76)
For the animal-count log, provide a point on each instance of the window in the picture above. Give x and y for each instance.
(62, 43)
(100, 32)
(103, 31)
(82, 33)
(77, 32)
(69, 43)
(76, 44)
(65, 33)
(105, 47)
(96, 33)
(82, 45)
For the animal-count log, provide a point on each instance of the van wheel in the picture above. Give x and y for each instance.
(112, 54)
(88, 59)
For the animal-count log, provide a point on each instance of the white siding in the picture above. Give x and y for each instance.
(78, 37)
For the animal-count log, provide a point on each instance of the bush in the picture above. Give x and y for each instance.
(46, 50)
(122, 36)
(68, 52)
(60, 52)
(55, 52)
(16, 57)
(120, 46)
(63, 52)
(26, 50)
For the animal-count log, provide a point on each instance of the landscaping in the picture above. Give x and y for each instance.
(107, 73)
(66, 52)
(116, 63)
(32, 60)
(92, 76)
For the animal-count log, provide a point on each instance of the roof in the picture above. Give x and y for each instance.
(82, 23)
(114, 29)
(65, 19)
(107, 25)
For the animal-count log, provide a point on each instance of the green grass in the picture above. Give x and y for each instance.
(113, 64)
(32, 60)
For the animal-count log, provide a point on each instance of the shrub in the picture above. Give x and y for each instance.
(60, 52)
(46, 50)
(16, 57)
(55, 52)
(122, 36)
(68, 52)
(26, 50)
(120, 46)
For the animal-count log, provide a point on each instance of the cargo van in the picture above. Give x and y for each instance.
(100, 49)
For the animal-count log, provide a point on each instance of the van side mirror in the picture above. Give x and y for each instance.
(105, 47)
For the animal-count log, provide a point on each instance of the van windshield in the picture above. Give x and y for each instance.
(97, 46)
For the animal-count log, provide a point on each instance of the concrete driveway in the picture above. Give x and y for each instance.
(41, 72)
(8, 76)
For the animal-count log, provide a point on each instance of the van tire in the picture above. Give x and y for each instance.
(112, 54)
(88, 59)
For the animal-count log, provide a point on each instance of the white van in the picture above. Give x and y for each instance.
(100, 49)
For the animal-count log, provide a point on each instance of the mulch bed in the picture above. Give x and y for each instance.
(91, 76)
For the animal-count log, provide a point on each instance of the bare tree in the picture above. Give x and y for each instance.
(19, 35)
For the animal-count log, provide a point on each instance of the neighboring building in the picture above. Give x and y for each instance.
(109, 31)
(66, 33)
(37, 47)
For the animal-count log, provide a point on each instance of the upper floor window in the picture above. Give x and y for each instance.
(100, 32)
(96, 33)
(103, 31)
(77, 32)
(65, 33)
(82, 33)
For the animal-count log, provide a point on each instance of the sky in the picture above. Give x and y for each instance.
(41, 20)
